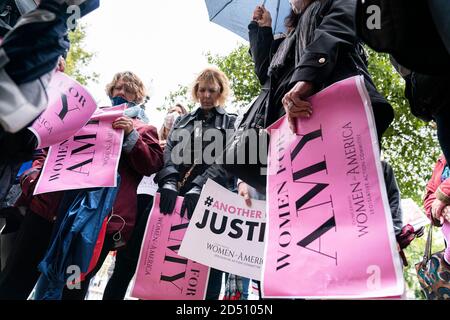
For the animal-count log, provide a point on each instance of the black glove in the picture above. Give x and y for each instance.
(13, 219)
(18, 147)
(169, 196)
(190, 201)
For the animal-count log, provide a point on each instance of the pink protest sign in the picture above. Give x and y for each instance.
(70, 106)
(161, 273)
(88, 159)
(331, 232)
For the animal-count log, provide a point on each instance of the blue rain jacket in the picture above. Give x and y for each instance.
(74, 241)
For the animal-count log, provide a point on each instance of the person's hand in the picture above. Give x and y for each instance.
(295, 103)
(446, 213)
(124, 123)
(169, 196)
(243, 192)
(406, 236)
(262, 17)
(190, 201)
(162, 143)
(438, 214)
(61, 64)
(257, 14)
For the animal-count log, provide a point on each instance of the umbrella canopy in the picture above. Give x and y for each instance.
(235, 15)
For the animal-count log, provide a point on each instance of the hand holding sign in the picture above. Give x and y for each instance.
(224, 233)
(243, 192)
(330, 233)
(296, 105)
(124, 123)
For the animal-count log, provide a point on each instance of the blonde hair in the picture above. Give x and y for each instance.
(212, 75)
(132, 83)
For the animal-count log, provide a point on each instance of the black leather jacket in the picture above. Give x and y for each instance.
(180, 154)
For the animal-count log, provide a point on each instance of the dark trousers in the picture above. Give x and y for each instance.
(215, 284)
(19, 277)
(127, 258)
(126, 261)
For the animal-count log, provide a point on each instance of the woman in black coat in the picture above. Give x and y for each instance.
(321, 48)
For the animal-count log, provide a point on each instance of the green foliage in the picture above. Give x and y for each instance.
(181, 95)
(78, 58)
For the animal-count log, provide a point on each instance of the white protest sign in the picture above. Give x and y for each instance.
(226, 234)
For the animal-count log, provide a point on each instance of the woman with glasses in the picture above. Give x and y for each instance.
(141, 156)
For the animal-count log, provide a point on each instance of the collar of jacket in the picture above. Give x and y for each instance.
(184, 121)
(217, 110)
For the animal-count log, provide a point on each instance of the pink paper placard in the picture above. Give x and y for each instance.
(161, 273)
(88, 159)
(330, 226)
(70, 106)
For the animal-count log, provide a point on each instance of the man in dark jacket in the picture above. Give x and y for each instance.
(29, 54)
(320, 48)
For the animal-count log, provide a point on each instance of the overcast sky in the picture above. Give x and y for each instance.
(163, 42)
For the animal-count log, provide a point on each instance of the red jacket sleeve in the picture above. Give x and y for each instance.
(146, 157)
(434, 185)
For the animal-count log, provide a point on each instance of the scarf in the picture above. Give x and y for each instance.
(133, 111)
(136, 112)
(300, 38)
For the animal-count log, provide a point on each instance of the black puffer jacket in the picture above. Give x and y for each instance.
(177, 150)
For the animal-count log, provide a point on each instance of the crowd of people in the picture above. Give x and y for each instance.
(321, 45)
